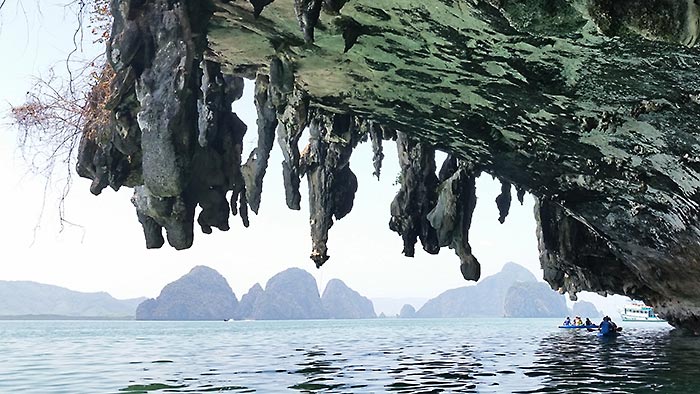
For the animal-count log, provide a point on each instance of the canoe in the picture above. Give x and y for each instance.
(609, 334)
(589, 326)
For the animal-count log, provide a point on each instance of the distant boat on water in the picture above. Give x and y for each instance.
(638, 311)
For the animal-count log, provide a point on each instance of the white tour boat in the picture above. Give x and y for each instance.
(637, 311)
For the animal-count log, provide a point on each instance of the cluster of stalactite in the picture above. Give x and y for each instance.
(175, 140)
(602, 132)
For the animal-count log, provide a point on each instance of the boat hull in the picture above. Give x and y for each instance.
(579, 327)
(639, 312)
(640, 319)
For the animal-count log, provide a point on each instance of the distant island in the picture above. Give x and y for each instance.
(513, 292)
(533, 299)
(290, 295)
(36, 301)
(204, 294)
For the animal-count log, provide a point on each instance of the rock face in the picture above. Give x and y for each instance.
(342, 302)
(485, 299)
(31, 298)
(407, 312)
(290, 295)
(585, 309)
(591, 106)
(202, 294)
(533, 299)
(248, 303)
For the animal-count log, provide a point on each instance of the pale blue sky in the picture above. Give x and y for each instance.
(107, 253)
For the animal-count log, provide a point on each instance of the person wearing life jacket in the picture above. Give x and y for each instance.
(567, 322)
(606, 326)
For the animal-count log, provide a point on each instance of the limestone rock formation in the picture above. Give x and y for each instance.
(249, 302)
(407, 312)
(290, 295)
(485, 299)
(202, 294)
(533, 299)
(590, 105)
(342, 302)
(585, 309)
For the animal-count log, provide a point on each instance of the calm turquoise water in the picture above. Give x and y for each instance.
(382, 355)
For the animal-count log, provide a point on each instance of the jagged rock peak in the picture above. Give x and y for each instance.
(290, 294)
(342, 302)
(201, 294)
(407, 312)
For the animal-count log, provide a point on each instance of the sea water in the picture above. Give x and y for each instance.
(342, 356)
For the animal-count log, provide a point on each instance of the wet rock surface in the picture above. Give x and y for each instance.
(589, 105)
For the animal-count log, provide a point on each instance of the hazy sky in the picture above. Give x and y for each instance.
(106, 252)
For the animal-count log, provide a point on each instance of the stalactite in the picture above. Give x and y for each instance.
(216, 165)
(332, 185)
(375, 135)
(173, 135)
(172, 213)
(256, 166)
(521, 194)
(503, 201)
(292, 113)
(453, 212)
(416, 197)
(233, 149)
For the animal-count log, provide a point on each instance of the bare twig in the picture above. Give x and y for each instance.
(56, 111)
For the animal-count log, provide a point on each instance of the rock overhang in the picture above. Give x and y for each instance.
(589, 105)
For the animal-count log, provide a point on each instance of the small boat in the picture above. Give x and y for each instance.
(583, 326)
(637, 311)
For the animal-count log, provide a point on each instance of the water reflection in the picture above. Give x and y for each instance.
(382, 355)
(641, 360)
(400, 370)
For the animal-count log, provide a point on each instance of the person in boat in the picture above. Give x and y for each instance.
(588, 322)
(614, 326)
(567, 322)
(578, 321)
(607, 326)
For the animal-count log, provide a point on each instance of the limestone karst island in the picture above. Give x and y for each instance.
(589, 105)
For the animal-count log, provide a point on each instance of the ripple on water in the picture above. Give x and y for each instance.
(382, 355)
